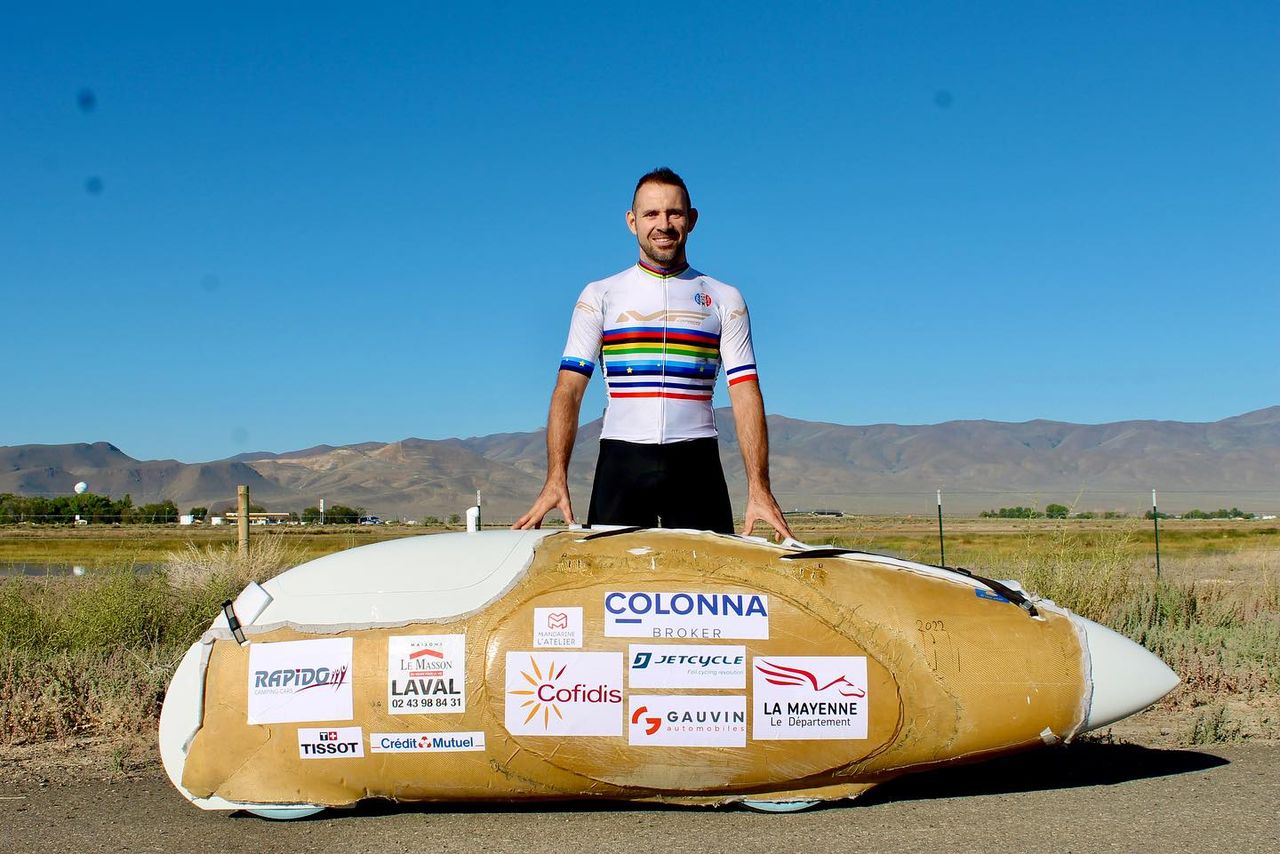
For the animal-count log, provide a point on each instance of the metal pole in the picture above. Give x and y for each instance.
(942, 549)
(1155, 520)
(242, 520)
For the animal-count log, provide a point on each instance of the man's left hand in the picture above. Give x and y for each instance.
(761, 507)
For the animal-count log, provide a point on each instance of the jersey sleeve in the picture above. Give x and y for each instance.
(736, 353)
(585, 329)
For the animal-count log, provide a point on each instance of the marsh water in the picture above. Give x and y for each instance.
(9, 569)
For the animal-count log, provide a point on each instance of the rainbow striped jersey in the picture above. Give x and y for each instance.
(660, 338)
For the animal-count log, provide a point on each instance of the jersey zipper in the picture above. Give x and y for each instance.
(662, 389)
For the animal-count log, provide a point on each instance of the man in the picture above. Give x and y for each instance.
(662, 331)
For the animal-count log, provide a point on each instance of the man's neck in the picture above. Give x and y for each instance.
(674, 269)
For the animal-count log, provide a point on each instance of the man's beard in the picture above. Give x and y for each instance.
(662, 256)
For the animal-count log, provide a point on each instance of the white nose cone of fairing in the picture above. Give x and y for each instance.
(1126, 677)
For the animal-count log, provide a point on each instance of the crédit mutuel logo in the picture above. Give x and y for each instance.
(566, 693)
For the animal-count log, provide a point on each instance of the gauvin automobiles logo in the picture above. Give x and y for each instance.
(653, 723)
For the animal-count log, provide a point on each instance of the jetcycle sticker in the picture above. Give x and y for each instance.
(426, 674)
(696, 616)
(686, 666)
(798, 697)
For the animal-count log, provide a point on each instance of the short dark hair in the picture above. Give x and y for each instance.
(662, 175)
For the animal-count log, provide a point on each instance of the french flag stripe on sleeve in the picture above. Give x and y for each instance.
(742, 374)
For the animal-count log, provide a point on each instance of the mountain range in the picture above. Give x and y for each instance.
(877, 468)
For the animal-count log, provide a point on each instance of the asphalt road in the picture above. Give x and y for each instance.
(1087, 797)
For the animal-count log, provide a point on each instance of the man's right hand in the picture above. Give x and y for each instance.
(554, 496)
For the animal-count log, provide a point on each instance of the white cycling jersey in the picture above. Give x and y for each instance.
(660, 339)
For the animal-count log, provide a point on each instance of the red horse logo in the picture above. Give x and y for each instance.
(778, 674)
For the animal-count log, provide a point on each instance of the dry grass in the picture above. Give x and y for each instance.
(90, 657)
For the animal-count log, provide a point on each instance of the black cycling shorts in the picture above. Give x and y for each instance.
(676, 485)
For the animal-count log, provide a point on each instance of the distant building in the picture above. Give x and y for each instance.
(265, 518)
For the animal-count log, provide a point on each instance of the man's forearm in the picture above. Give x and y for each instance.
(562, 426)
(753, 435)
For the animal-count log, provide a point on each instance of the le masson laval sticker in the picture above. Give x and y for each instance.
(426, 674)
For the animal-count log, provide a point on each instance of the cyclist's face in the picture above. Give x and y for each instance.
(661, 221)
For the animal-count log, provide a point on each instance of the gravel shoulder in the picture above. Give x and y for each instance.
(1085, 797)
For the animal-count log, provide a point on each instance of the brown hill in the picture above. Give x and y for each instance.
(864, 469)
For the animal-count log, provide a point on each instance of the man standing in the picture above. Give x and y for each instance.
(661, 331)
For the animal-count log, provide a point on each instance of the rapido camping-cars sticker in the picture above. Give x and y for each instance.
(344, 742)
(557, 628)
(796, 697)
(426, 674)
(564, 693)
(299, 681)
(697, 616)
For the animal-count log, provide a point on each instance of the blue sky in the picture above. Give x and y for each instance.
(337, 224)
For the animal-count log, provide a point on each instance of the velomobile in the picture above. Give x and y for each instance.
(635, 664)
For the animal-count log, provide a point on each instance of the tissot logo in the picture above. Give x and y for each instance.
(342, 743)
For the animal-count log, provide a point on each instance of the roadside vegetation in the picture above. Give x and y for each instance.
(91, 656)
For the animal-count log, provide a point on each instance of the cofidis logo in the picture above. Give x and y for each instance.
(701, 615)
(425, 742)
(566, 693)
(298, 681)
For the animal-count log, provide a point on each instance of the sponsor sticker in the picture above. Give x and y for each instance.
(564, 693)
(676, 721)
(801, 697)
(702, 616)
(300, 681)
(426, 674)
(425, 742)
(686, 666)
(557, 628)
(344, 742)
